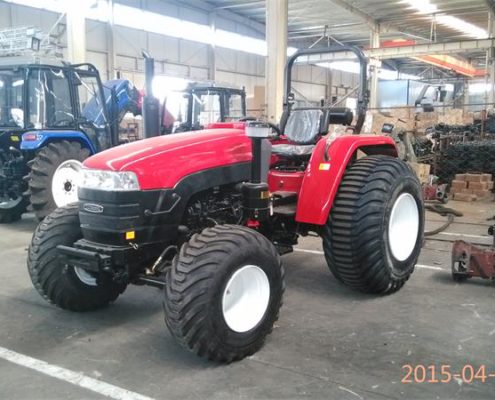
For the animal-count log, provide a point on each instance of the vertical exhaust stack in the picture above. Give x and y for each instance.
(151, 105)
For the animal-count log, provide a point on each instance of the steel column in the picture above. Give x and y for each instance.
(276, 38)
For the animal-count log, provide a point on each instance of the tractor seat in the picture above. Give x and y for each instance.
(304, 126)
(302, 129)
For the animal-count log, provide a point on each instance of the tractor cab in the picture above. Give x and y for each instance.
(55, 104)
(203, 105)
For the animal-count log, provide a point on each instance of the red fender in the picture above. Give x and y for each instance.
(323, 177)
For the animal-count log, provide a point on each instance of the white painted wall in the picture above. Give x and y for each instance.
(176, 57)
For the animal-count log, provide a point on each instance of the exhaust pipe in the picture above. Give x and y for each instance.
(151, 105)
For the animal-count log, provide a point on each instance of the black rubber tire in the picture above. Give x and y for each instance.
(14, 213)
(43, 167)
(355, 238)
(58, 283)
(196, 282)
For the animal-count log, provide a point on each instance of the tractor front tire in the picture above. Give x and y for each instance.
(65, 286)
(224, 292)
(374, 233)
(43, 169)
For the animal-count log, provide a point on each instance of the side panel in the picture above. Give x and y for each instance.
(35, 140)
(323, 176)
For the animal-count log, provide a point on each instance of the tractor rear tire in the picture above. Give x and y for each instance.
(13, 212)
(43, 168)
(224, 292)
(64, 285)
(374, 233)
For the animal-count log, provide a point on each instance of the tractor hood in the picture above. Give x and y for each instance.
(161, 162)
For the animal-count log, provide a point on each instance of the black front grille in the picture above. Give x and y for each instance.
(106, 217)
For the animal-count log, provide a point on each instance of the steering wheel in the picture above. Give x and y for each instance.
(63, 123)
(274, 127)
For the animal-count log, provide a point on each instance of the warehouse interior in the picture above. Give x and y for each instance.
(299, 192)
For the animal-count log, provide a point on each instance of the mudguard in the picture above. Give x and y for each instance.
(324, 174)
(34, 140)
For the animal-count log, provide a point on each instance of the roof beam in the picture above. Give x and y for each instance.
(206, 7)
(373, 22)
(408, 51)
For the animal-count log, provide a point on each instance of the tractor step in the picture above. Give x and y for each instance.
(151, 281)
(283, 198)
(286, 210)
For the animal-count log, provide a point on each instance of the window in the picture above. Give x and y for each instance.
(206, 108)
(233, 107)
(49, 99)
(11, 99)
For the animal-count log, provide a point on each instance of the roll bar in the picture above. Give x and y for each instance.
(362, 94)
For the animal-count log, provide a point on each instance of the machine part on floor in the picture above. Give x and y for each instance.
(54, 114)
(470, 261)
(438, 192)
(450, 213)
(243, 198)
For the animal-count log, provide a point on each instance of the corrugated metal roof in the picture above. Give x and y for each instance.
(308, 18)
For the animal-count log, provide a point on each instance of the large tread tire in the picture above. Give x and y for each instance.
(43, 168)
(355, 238)
(197, 281)
(58, 283)
(13, 214)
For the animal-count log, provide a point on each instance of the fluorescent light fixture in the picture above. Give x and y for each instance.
(479, 88)
(17, 83)
(458, 24)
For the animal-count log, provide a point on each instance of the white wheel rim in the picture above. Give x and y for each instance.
(65, 182)
(85, 277)
(403, 227)
(245, 298)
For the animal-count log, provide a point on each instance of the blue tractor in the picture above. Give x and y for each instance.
(52, 117)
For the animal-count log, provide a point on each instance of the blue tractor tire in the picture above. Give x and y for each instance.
(43, 169)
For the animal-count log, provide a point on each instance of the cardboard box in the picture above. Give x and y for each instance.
(478, 185)
(464, 197)
(473, 177)
(422, 171)
(465, 190)
(486, 177)
(460, 177)
(481, 194)
(490, 185)
(457, 185)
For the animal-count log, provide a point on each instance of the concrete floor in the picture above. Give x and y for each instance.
(330, 342)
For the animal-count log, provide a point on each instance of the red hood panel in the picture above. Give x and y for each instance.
(163, 161)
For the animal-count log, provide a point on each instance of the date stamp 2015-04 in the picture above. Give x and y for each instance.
(444, 373)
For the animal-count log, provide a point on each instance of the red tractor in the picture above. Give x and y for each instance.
(206, 215)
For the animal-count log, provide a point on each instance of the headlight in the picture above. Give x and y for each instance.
(109, 180)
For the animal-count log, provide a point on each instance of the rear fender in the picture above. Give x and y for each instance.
(35, 140)
(324, 174)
